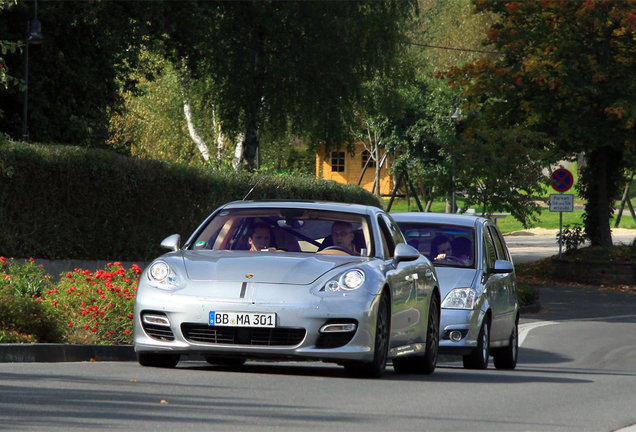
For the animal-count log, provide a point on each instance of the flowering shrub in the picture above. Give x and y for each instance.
(25, 279)
(526, 294)
(97, 308)
(23, 319)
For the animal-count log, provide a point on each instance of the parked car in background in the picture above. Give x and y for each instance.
(291, 280)
(480, 312)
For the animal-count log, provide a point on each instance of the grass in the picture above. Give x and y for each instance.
(546, 220)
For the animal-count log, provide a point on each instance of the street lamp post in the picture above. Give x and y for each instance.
(33, 36)
(456, 118)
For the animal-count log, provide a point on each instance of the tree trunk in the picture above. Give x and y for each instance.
(605, 232)
(194, 134)
(378, 169)
(251, 141)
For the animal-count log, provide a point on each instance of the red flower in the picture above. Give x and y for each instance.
(130, 316)
(31, 259)
(93, 330)
(70, 323)
(68, 275)
(3, 260)
(126, 331)
(117, 263)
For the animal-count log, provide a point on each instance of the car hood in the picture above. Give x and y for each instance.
(451, 278)
(271, 267)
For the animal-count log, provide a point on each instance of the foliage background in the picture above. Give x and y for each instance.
(65, 202)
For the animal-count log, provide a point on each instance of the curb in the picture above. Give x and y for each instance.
(55, 353)
(532, 308)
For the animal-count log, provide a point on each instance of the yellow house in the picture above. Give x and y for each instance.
(339, 165)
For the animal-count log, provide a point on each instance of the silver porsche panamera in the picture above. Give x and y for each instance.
(291, 280)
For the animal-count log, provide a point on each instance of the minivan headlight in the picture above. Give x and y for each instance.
(459, 298)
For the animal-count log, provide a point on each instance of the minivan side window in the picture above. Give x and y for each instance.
(500, 244)
(490, 254)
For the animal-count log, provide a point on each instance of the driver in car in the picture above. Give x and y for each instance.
(342, 235)
(442, 248)
(260, 237)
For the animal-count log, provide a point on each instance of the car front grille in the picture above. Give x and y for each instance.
(201, 333)
(158, 332)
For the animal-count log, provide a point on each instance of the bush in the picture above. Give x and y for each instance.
(25, 280)
(82, 308)
(573, 237)
(63, 202)
(96, 308)
(27, 319)
(526, 294)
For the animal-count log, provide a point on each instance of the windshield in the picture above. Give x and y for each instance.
(444, 245)
(288, 230)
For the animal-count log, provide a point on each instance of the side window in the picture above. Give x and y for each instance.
(388, 245)
(490, 254)
(396, 233)
(500, 244)
(501, 254)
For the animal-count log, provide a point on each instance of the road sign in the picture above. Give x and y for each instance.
(562, 180)
(561, 202)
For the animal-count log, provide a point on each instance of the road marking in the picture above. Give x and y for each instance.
(524, 329)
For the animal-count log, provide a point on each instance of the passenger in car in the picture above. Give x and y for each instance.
(462, 249)
(260, 237)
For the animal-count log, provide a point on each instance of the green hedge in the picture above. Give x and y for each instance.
(62, 202)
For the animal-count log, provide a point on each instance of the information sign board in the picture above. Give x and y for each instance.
(561, 202)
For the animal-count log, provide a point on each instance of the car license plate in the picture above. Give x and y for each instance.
(241, 319)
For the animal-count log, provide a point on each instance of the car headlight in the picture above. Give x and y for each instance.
(348, 281)
(161, 273)
(459, 298)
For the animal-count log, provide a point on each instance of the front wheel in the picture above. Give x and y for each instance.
(425, 364)
(478, 359)
(506, 357)
(158, 360)
(375, 369)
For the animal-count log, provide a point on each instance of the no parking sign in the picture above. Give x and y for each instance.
(562, 180)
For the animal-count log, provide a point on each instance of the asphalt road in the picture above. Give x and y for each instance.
(576, 372)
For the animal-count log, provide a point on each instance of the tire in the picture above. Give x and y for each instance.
(424, 365)
(506, 357)
(478, 359)
(376, 368)
(158, 360)
(225, 361)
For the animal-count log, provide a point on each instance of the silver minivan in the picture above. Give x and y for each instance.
(480, 312)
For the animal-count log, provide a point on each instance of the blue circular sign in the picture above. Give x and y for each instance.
(562, 180)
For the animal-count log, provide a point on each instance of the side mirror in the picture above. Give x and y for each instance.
(501, 267)
(172, 242)
(404, 252)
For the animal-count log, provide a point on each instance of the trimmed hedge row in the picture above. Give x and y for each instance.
(62, 202)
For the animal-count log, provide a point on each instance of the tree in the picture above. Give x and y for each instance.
(567, 71)
(291, 67)
(72, 75)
